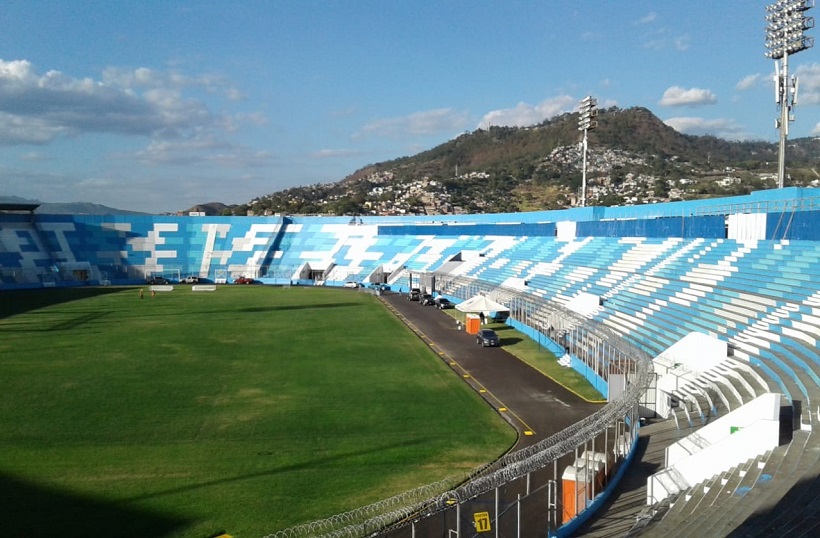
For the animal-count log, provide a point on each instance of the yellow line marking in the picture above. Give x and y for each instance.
(466, 375)
(519, 419)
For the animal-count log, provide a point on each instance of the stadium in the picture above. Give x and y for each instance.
(697, 320)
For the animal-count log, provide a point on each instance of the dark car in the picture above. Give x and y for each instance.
(244, 280)
(443, 303)
(157, 280)
(425, 299)
(487, 338)
(414, 294)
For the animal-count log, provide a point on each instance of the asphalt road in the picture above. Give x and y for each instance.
(536, 406)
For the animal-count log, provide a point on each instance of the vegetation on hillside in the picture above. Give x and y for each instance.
(633, 158)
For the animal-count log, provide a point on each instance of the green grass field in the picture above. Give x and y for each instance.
(246, 410)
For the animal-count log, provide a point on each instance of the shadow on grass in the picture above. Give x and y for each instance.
(67, 325)
(510, 341)
(308, 464)
(500, 329)
(33, 510)
(15, 302)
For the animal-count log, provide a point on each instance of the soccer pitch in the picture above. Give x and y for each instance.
(245, 410)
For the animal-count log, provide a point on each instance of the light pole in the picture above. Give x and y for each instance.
(586, 122)
(787, 21)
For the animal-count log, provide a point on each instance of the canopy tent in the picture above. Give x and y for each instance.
(481, 303)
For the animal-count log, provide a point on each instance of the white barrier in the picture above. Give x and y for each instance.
(727, 442)
(162, 288)
(204, 287)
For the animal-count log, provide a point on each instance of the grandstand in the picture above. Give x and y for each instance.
(740, 274)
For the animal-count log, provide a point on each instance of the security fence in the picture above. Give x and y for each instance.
(535, 490)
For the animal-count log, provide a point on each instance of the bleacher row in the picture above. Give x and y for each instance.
(760, 296)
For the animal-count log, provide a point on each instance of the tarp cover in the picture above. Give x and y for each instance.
(481, 303)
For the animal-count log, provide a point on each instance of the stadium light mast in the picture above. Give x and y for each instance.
(787, 22)
(586, 122)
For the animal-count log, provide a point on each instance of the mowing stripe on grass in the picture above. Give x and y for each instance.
(249, 408)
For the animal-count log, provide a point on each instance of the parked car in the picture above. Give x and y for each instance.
(244, 280)
(443, 303)
(190, 280)
(487, 338)
(414, 294)
(157, 280)
(425, 299)
(351, 285)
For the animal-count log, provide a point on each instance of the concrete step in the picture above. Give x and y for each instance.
(702, 522)
(765, 496)
(800, 502)
(704, 497)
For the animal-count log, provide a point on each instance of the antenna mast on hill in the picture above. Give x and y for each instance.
(784, 36)
(586, 122)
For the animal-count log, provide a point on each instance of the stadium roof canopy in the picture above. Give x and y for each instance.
(18, 207)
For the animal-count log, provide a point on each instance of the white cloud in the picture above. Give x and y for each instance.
(648, 18)
(722, 127)
(677, 96)
(682, 42)
(442, 120)
(816, 130)
(525, 114)
(335, 153)
(808, 76)
(146, 78)
(21, 130)
(34, 156)
(661, 39)
(36, 108)
(748, 82)
(204, 150)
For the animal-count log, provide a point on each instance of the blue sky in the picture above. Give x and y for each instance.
(157, 105)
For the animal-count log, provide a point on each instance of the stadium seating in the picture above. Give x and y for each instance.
(759, 295)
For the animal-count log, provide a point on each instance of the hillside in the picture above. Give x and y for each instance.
(209, 209)
(633, 158)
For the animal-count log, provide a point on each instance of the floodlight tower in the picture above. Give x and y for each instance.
(787, 22)
(586, 122)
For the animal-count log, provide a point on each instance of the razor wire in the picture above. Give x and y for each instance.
(438, 496)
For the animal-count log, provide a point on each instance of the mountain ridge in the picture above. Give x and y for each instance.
(68, 208)
(634, 157)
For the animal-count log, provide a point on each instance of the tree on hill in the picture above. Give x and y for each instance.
(505, 169)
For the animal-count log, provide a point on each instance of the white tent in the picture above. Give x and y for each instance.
(481, 303)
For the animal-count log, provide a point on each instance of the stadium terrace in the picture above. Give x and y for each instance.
(698, 320)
